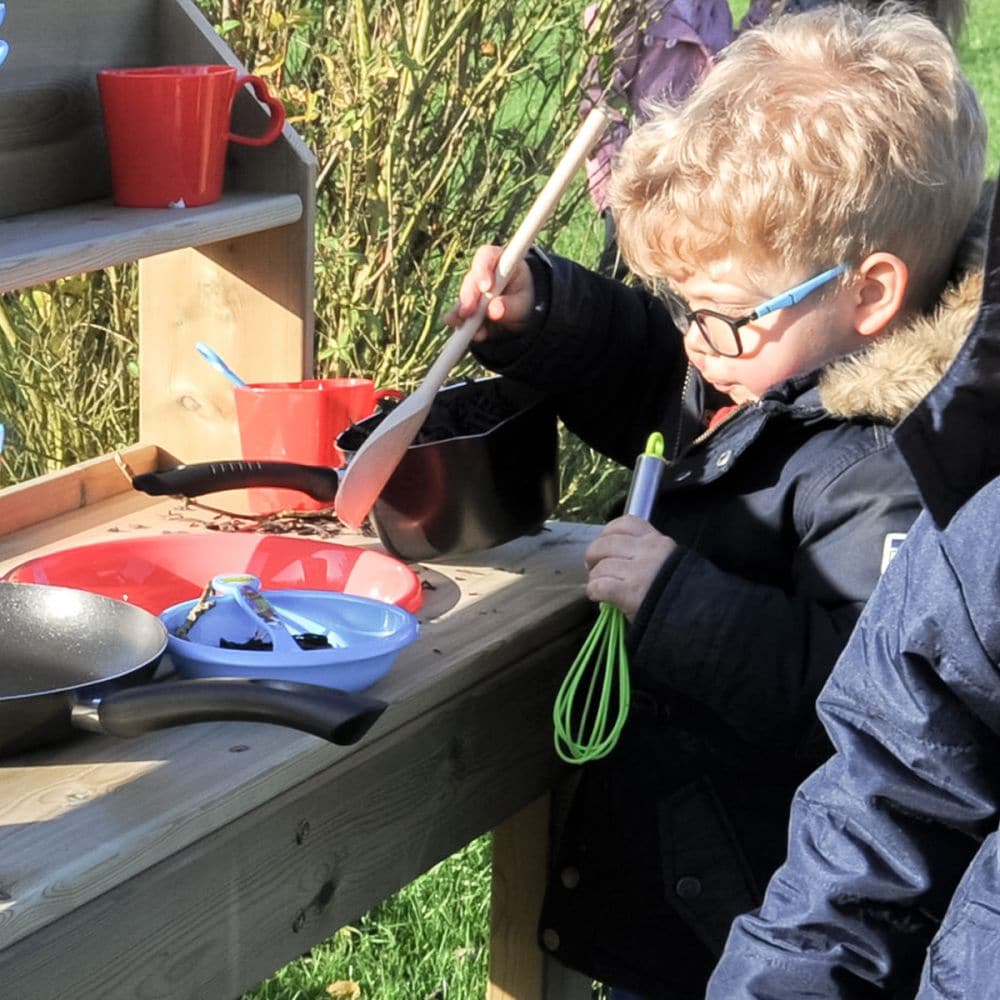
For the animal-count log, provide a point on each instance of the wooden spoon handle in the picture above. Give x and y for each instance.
(545, 202)
(375, 461)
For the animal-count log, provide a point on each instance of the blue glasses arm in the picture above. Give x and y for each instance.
(798, 293)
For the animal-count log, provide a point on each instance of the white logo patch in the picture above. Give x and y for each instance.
(890, 547)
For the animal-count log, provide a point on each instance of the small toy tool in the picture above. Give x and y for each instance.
(599, 674)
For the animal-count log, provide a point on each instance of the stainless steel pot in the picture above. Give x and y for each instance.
(482, 470)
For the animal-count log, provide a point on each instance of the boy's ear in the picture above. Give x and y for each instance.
(880, 293)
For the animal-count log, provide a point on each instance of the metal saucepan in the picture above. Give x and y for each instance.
(483, 470)
(76, 661)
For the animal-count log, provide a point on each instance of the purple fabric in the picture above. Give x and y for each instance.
(661, 63)
(758, 11)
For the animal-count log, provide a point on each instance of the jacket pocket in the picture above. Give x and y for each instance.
(706, 876)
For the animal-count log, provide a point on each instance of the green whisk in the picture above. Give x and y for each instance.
(599, 674)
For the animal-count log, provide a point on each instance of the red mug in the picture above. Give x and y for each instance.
(168, 128)
(300, 422)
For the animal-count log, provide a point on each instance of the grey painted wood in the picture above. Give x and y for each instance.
(217, 918)
(51, 136)
(52, 149)
(193, 862)
(45, 245)
(53, 153)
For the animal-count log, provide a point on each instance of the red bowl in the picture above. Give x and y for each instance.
(157, 571)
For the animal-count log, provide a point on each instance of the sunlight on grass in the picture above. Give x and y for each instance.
(428, 942)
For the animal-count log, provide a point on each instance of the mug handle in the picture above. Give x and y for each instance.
(396, 394)
(276, 108)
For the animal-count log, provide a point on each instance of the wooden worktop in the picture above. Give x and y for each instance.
(255, 841)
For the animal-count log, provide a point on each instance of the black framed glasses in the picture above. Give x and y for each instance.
(722, 333)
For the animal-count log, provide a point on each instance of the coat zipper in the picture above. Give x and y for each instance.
(676, 450)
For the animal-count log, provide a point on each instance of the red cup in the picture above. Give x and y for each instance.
(300, 422)
(168, 128)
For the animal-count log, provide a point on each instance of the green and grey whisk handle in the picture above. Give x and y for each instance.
(646, 477)
(593, 700)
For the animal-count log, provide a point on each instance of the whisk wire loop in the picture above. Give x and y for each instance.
(600, 673)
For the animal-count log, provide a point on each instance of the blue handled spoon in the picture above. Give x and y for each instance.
(218, 364)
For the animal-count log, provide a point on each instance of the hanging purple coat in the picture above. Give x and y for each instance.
(662, 49)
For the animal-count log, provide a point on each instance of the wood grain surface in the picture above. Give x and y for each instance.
(184, 853)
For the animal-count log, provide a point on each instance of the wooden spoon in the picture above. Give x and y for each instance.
(374, 462)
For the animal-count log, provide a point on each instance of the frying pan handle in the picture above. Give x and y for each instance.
(338, 716)
(318, 481)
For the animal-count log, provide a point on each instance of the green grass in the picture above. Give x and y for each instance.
(428, 942)
(980, 53)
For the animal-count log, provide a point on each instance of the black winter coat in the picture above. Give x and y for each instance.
(881, 834)
(784, 515)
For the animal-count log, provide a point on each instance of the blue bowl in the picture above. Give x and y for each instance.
(365, 635)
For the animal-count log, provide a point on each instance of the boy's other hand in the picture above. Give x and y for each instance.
(623, 562)
(506, 312)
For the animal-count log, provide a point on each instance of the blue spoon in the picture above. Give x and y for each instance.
(245, 590)
(217, 363)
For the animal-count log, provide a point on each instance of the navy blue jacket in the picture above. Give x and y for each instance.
(783, 515)
(881, 834)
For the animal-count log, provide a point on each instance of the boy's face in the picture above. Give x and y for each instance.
(790, 341)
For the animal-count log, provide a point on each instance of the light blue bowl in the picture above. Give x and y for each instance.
(366, 635)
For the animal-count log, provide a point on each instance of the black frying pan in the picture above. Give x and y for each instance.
(71, 661)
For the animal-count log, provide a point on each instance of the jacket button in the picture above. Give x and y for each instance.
(688, 887)
(723, 460)
(550, 939)
(570, 878)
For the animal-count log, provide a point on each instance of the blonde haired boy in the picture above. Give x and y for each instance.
(802, 215)
(824, 138)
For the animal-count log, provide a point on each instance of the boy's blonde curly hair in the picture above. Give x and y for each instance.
(818, 138)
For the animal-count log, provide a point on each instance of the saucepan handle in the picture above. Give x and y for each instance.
(338, 716)
(318, 481)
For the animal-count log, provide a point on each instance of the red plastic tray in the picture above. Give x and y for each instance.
(156, 571)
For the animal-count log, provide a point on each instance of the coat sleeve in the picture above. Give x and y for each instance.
(610, 357)
(881, 833)
(756, 654)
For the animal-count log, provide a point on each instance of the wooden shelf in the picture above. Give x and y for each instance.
(86, 237)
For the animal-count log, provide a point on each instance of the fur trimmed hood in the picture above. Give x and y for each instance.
(887, 380)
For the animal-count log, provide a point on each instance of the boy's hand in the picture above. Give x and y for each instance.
(506, 312)
(623, 562)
